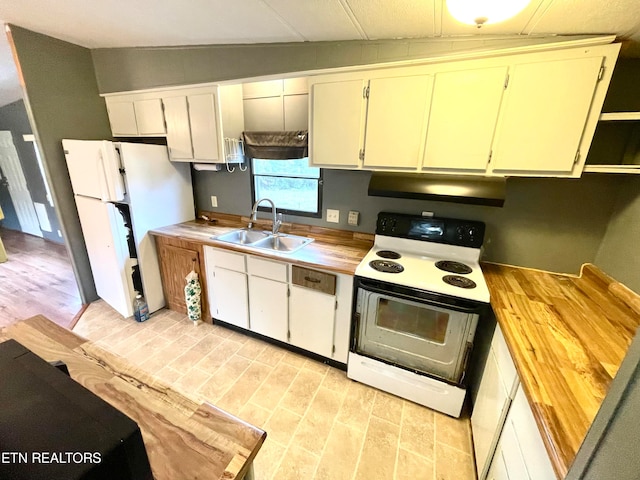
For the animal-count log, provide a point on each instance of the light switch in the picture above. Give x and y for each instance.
(214, 201)
(354, 217)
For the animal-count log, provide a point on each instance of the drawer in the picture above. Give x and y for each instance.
(224, 259)
(267, 269)
(313, 279)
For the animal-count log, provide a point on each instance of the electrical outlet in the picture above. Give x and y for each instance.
(333, 216)
(353, 217)
(214, 201)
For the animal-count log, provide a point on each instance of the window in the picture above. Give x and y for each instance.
(294, 186)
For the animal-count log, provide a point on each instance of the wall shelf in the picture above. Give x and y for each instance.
(615, 116)
(617, 136)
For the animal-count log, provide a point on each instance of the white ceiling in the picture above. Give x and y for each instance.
(126, 23)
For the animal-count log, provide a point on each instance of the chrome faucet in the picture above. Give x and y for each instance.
(277, 217)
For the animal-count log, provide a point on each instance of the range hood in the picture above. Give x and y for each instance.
(468, 189)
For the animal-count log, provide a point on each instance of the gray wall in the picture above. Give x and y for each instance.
(13, 117)
(61, 96)
(551, 224)
(124, 69)
(619, 253)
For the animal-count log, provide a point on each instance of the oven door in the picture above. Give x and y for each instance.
(428, 333)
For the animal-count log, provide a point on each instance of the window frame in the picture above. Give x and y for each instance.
(285, 211)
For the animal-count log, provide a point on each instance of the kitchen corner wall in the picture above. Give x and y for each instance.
(550, 224)
(62, 101)
(619, 252)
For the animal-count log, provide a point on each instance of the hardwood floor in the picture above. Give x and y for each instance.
(36, 279)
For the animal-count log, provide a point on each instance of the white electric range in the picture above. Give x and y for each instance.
(418, 296)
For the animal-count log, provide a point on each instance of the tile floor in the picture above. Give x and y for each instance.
(319, 424)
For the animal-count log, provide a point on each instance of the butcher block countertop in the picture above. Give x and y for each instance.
(567, 336)
(184, 440)
(334, 250)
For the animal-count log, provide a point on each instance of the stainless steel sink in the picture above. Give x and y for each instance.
(242, 236)
(258, 239)
(283, 243)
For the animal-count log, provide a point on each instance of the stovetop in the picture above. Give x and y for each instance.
(413, 262)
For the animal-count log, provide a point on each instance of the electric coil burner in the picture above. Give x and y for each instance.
(458, 281)
(454, 267)
(388, 254)
(386, 266)
(413, 327)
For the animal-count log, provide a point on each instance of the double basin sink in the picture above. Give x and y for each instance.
(280, 242)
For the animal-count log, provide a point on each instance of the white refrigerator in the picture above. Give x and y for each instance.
(123, 190)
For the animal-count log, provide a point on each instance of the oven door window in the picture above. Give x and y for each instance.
(415, 320)
(413, 334)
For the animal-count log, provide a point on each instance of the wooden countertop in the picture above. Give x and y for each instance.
(334, 250)
(567, 336)
(184, 440)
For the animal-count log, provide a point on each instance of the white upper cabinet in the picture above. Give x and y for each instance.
(205, 128)
(528, 114)
(195, 120)
(122, 117)
(546, 107)
(396, 121)
(464, 111)
(276, 105)
(176, 115)
(149, 116)
(337, 119)
(369, 120)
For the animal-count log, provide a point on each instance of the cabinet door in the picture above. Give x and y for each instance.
(462, 121)
(175, 265)
(337, 123)
(489, 412)
(149, 116)
(545, 110)
(263, 114)
(228, 296)
(311, 320)
(122, 118)
(268, 307)
(204, 127)
(296, 112)
(396, 121)
(176, 115)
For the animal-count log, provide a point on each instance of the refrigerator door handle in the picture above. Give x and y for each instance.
(112, 185)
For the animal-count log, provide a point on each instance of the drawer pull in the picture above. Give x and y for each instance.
(312, 280)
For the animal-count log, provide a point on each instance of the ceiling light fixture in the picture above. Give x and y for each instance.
(483, 12)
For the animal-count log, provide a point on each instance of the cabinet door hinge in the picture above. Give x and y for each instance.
(365, 92)
(490, 155)
(333, 349)
(575, 160)
(361, 154)
(601, 73)
(288, 292)
(506, 82)
(288, 334)
(336, 306)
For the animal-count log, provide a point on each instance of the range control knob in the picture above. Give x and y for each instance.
(472, 232)
(460, 233)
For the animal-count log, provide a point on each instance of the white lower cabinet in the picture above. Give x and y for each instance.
(506, 439)
(307, 308)
(268, 298)
(228, 291)
(311, 320)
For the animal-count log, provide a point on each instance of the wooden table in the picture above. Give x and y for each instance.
(184, 440)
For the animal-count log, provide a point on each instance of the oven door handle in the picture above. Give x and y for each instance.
(467, 307)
